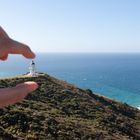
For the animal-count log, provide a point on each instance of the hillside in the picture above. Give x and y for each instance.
(61, 111)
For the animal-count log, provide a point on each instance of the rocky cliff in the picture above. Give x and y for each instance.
(61, 111)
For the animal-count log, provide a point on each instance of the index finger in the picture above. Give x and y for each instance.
(20, 48)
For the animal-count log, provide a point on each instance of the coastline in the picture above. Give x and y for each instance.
(114, 76)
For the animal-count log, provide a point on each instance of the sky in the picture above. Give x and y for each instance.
(73, 25)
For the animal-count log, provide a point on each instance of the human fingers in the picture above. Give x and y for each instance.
(16, 47)
(16, 94)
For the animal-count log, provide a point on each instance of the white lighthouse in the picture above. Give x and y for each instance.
(32, 69)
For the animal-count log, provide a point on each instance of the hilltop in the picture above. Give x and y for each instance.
(61, 111)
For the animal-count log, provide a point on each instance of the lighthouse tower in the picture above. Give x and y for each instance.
(32, 69)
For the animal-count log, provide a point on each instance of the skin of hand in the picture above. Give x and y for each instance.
(9, 96)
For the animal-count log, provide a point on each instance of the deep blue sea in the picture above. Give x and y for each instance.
(116, 76)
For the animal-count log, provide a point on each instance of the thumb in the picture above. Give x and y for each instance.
(16, 94)
(27, 86)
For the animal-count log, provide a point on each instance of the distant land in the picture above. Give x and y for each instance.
(61, 111)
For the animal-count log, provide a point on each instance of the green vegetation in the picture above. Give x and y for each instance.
(61, 111)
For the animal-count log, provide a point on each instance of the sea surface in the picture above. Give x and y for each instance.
(116, 76)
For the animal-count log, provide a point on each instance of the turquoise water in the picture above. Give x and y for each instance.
(116, 76)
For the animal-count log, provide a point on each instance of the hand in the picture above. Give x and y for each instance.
(8, 46)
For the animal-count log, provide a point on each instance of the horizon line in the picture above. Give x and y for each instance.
(95, 52)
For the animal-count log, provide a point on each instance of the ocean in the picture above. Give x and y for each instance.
(116, 76)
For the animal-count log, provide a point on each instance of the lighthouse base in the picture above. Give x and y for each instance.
(32, 74)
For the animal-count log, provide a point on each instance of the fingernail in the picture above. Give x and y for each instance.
(33, 54)
(31, 85)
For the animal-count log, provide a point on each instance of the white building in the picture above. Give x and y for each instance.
(32, 69)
